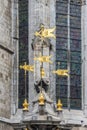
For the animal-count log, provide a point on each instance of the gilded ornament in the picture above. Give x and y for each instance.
(61, 72)
(41, 99)
(59, 105)
(25, 105)
(45, 33)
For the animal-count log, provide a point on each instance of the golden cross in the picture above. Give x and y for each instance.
(27, 67)
(44, 58)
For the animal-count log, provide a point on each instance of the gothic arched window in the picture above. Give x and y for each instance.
(68, 51)
(23, 47)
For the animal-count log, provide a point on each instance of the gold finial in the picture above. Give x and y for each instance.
(45, 33)
(61, 72)
(25, 105)
(42, 72)
(43, 58)
(41, 99)
(27, 67)
(59, 105)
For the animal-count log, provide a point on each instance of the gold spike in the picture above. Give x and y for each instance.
(41, 99)
(59, 105)
(25, 105)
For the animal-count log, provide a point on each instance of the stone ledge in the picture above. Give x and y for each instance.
(5, 120)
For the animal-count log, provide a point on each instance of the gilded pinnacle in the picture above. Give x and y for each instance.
(41, 99)
(59, 105)
(25, 105)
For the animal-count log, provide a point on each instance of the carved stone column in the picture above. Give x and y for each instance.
(41, 12)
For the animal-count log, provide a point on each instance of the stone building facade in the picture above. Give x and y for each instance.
(6, 56)
(39, 12)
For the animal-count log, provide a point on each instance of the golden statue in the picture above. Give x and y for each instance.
(45, 33)
(27, 67)
(61, 72)
(44, 58)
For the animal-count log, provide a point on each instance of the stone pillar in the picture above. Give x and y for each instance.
(43, 48)
(52, 92)
(84, 55)
(40, 12)
(15, 62)
(6, 52)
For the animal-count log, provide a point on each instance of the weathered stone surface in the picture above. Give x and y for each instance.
(79, 128)
(5, 62)
(5, 83)
(84, 56)
(4, 126)
(15, 61)
(5, 23)
(42, 13)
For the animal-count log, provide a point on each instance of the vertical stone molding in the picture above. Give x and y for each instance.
(5, 58)
(84, 56)
(41, 12)
(15, 61)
